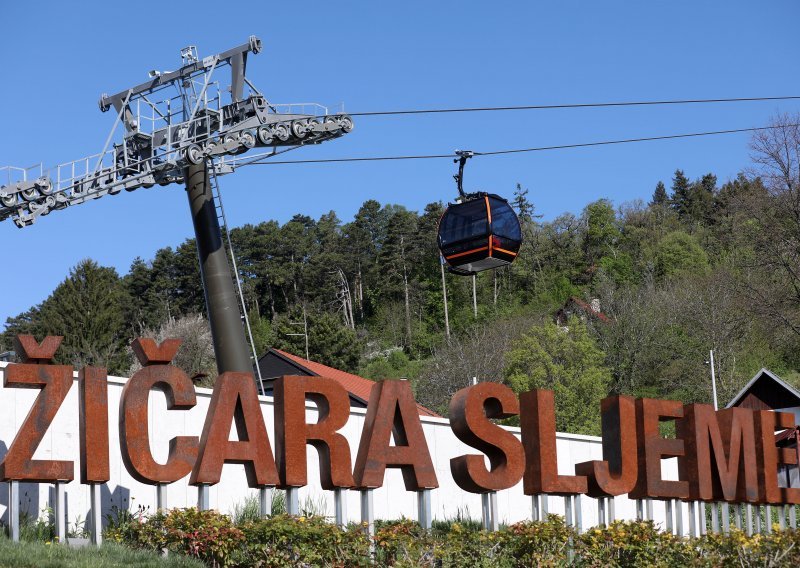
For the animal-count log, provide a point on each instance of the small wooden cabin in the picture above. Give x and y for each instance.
(767, 391)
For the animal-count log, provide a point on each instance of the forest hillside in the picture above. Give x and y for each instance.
(621, 298)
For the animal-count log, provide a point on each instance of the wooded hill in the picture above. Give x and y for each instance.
(701, 266)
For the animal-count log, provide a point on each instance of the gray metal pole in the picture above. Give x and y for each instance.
(340, 507)
(265, 501)
(475, 295)
(293, 501)
(96, 505)
(444, 298)
(13, 510)
(227, 332)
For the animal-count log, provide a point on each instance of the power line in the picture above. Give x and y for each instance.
(522, 150)
(575, 105)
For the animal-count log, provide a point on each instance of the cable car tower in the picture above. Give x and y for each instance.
(185, 126)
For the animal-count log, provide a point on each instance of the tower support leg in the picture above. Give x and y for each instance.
(227, 332)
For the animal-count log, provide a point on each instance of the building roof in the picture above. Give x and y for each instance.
(358, 387)
(575, 303)
(766, 391)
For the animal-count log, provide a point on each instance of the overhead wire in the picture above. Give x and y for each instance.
(575, 105)
(524, 150)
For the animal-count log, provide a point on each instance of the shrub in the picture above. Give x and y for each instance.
(631, 543)
(533, 543)
(403, 543)
(206, 535)
(466, 546)
(283, 541)
(286, 541)
(135, 529)
(780, 548)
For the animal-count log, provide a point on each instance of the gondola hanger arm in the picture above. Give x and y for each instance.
(461, 160)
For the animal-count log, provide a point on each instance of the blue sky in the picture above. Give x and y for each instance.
(60, 56)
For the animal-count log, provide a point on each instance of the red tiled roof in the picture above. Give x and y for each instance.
(588, 309)
(355, 385)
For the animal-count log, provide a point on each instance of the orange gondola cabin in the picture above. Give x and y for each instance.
(480, 233)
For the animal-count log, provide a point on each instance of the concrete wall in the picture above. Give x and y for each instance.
(391, 501)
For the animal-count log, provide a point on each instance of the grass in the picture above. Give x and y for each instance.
(43, 555)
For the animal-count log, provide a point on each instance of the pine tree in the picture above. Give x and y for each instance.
(524, 207)
(681, 198)
(87, 309)
(659, 195)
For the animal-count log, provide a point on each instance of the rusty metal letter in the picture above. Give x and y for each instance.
(133, 419)
(616, 474)
(292, 433)
(470, 411)
(538, 425)
(653, 448)
(54, 381)
(720, 461)
(392, 409)
(235, 400)
(93, 383)
(767, 423)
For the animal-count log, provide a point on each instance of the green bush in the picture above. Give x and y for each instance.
(780, 548)
(403, 543)
(532, 543)
(632, 543)
(286, 541)
(283, 541)
(465, 546)
(206, 535)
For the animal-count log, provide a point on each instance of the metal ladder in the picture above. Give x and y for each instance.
(223, 223)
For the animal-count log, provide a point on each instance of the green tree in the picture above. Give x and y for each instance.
(659, 195)
(567, 362)
(681, 200)
(524, 207)
(398, 262)
(87, 309)
(329, 341)
(144, 310)
(26, 323)
(680, 253)
(602, 234)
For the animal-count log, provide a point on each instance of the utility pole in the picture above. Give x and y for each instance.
(475, 295)
(304, 323)
(227, 332)
(444, 296)
(713, 379)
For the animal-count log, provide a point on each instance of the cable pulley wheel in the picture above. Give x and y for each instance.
(282, 132)
(9, 200)
(44, 185)
(299, 129)
(265, 135)
(194, 154)
(346, 123)
(247, 139)
(29, 194)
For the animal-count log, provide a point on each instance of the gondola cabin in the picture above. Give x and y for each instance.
(480, 233)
